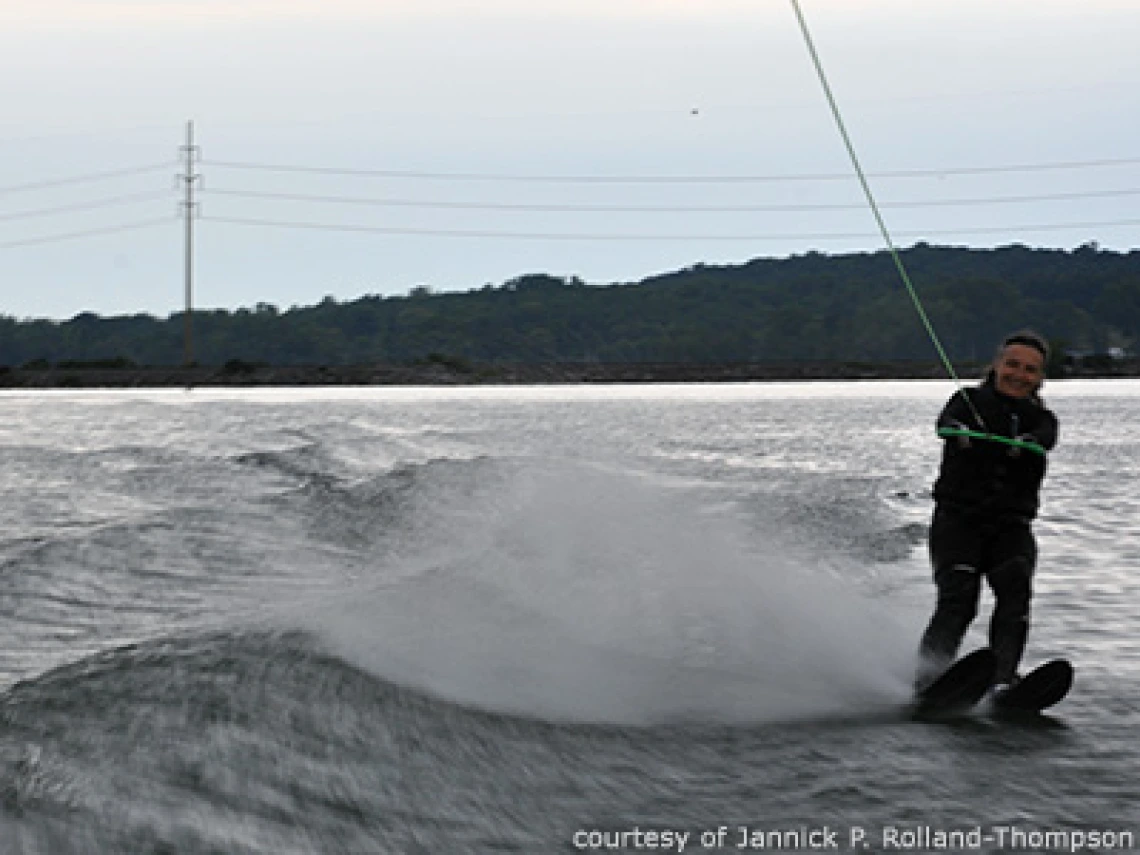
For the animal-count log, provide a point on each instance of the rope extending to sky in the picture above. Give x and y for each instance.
(867, 192)
(877, 213)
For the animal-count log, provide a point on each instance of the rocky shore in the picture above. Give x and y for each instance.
(438, 372)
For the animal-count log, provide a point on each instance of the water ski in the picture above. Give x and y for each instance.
(1038, 690)
(959, 688)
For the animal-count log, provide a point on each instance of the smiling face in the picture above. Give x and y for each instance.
(1019, 370)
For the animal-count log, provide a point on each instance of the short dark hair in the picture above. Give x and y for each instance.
(1030, 339)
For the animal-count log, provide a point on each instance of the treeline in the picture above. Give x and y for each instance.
(809, 307)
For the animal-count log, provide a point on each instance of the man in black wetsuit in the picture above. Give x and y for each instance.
(986, 497)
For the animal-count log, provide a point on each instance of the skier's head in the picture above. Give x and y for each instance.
(1018, 369)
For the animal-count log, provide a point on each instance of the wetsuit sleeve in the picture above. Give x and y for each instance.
(957, 413)
(1046, 431)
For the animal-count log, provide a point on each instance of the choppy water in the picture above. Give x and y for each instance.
(532, 619)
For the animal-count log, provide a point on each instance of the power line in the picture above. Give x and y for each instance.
(673, 179)
(649, 209)
(107, 202)
(124, 227)
(617, 237)
(85, 179)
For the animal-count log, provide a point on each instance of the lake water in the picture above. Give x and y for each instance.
(557, 619)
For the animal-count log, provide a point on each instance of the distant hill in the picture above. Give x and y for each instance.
(813, 307)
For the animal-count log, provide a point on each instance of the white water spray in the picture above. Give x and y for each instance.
(573, 592)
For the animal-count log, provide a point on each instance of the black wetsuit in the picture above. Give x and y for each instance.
(986, 497)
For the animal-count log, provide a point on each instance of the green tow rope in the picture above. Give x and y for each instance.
(879, 217)
(947, 433)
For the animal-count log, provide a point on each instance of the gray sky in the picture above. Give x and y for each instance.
(497, 98)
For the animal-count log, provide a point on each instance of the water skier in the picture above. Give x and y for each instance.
(986, 497)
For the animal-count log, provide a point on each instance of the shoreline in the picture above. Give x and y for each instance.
(460, 373)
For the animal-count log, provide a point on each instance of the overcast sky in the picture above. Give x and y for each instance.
(452, 143)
